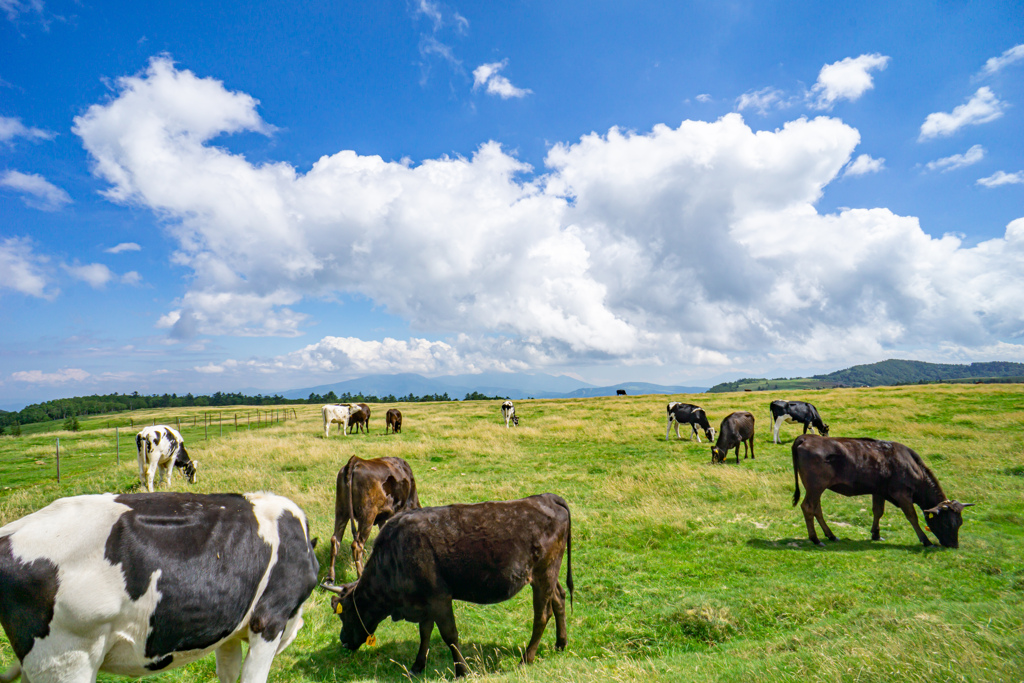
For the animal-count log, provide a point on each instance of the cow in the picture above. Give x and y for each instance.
(336, 412)
(736, 428)
(138, 584)
(393, 420)
(620, 392)
(687, 413)
(369, 492)
(162, 448)
(359, 416)
(887, 470)
(795, 411)
(508, 411)
(483, 553)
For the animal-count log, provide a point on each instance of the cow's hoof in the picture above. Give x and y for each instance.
(876, 537)
(820, 544)
(833, 538)
(560, 644)
(417, 668)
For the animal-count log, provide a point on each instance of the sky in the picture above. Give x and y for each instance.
(264, 196)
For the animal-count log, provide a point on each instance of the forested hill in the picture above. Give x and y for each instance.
(886, 373)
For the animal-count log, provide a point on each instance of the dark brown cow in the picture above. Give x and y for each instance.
(393, 420)
(887, 470)
(360, 417)
(483, 553)
(736, 428)
(369, 492)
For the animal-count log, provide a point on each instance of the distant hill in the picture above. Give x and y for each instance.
(886, 373)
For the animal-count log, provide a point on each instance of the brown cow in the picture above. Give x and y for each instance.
(736, 428)
(887, 470)
(360, 417)
(369, 492)
(393, 420)
(483, 553)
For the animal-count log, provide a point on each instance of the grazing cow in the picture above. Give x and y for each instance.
(393, 420)
(620, 392)
(161, 447)
(369, 492)
(687, 413)
(138, 584)
(508, 411)
(336, 412)
(359, 416)
(887, 470)
(483, 553)
(736, 428)
(795, 411)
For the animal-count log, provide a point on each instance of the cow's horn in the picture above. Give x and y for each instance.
(331, 587)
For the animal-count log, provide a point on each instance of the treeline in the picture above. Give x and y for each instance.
(331, 397)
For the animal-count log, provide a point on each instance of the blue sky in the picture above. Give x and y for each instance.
(274, 195)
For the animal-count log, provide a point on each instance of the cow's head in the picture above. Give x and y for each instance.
(710, 433)
(717, 455)
(353, 632)
(188, 466)
(824, 429)
(944, 520)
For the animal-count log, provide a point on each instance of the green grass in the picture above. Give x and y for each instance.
(684, 571)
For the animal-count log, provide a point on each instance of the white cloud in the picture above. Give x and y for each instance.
(132, 277)
(487, 76)
(703, 98)
(983, 107)
(677, 243)
(96, 275)
(1002, 178)
(995, 64)
(11, 128)
(36, 191)
(762, 100)
(62, 376)
(123, 246)
(972, 156)
(22, 270)
(864, 164)
(846, 80)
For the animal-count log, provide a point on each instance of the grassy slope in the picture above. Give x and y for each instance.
(683, 570)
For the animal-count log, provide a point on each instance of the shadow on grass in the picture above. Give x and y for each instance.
(842, 545)
(391, 661)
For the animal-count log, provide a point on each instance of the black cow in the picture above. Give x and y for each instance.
(736, 428)
(393, 421)
(620, 392)
(795, 411)
(139, 584)
(369, 492)
(887, 470)
(483, 553)
(687, 413)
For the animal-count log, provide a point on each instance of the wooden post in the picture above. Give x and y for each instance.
(206, 434)
(58, 459)
(236, 422)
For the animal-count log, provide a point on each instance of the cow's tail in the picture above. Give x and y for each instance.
(11, 674)
(796, 472)
(568, 548)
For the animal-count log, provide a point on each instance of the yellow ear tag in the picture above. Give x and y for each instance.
(371, 640)
(337, 610)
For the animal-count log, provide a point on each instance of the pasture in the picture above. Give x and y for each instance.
(684, 570)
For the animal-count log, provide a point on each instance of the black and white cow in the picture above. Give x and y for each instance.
(142, 583)
(795, 411)
(508, 411)
(162, 448)
(687, 413)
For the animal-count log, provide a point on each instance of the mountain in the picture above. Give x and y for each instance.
(512, 385)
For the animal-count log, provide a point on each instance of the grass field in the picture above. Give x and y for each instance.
(684, 571)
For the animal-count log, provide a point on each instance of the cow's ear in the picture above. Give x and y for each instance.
(312, 542)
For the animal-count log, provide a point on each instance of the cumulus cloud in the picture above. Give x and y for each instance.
(762, 100)
(677, 243)
(863, 165)
(1002, 178)
(96, 275)
(486, 76)
(22, 270)
(36, 191)
(62, 376)
(847, 79)
(983, 107)
(12, 128)
(123, 246)
(972, 156)
(996, 64)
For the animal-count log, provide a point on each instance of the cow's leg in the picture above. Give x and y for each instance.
(668, 427)
(445, 619)
(878, 508)
(812, 510)
(738, 453)
(561, 632)
(908, 509)
(256, 666)
(142, 468)
(693, 426)
(542, 608)
(364, 526)
(751, 448)
(335, 546)
(151, 473)
(426, 628)
(229, 661)
(775, 429)
(820, 516)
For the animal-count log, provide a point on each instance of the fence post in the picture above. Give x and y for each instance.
(206, 434)
(236, 422)
(117, 438)
(58, 459)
